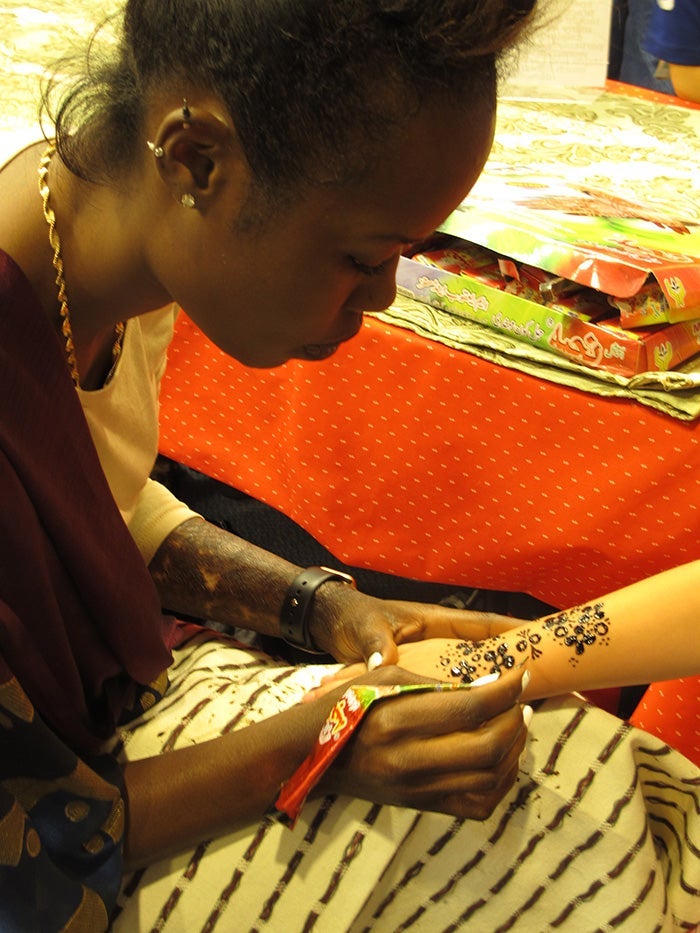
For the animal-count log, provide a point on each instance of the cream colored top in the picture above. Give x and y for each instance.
(123, 421)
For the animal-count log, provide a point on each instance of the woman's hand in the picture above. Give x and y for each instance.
(430, 658)
(354, 627)
(455, 752)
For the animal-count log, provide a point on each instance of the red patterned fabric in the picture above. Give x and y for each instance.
(408, 457)
(404, 456)
(671, 710)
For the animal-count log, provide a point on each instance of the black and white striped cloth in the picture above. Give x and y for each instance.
(600, 832)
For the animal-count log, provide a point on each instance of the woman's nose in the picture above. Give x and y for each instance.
(376, 292)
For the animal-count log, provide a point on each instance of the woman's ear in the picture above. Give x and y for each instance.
(195, 151)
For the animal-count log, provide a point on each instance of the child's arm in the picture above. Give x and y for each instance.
(645, 632)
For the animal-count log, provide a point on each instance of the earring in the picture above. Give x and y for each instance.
(185, 110)
(157, 151)
(187, 200)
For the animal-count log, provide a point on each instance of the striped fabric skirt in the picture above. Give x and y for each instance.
(600, 832)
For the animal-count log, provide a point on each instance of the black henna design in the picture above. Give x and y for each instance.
(497, 659)
(580, 628)
(529, 640)
(577, 628)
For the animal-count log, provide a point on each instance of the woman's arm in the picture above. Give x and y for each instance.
(647, 631)
(203, 571)
(454, 752)
(686, 81)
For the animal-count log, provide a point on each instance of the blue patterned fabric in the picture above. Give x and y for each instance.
(61, 825)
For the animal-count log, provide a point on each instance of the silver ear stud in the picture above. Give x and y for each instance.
(187, 200)
(157, 151)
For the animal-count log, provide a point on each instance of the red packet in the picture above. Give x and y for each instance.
(342, 721)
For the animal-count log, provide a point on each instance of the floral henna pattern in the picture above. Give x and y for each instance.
(576, 629)
(580, 628)
(491, 656)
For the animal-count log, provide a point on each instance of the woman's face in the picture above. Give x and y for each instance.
(297, 286)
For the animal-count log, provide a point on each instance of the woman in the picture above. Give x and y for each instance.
(262, 165)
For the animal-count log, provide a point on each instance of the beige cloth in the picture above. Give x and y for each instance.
(601, 832)
(123, 421)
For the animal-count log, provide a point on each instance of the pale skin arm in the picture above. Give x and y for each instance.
(455, 753)
(642, 633)
(645, 632)
(686, 81)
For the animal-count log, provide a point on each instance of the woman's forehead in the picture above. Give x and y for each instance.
(420, 173)
(423, 172)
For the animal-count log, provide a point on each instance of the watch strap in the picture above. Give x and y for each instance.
(298, 601)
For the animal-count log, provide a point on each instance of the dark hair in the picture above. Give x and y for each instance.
(308, 83)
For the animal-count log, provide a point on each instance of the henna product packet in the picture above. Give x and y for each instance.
(342, 721)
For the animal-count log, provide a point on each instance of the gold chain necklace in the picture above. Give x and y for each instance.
(57, 261)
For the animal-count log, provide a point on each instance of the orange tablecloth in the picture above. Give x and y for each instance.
(405, 456)
(671, 710)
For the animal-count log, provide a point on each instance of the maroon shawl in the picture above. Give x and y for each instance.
(80, 618)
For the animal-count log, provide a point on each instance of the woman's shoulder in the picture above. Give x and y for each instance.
(15, 145)
(23, 232)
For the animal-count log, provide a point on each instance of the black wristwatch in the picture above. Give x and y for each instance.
(296, 608)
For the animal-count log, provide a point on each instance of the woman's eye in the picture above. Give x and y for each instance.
(367, 269)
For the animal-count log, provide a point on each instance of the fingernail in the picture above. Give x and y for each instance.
(527, 715)
(525, 679)
(374, 661)
(486, 679)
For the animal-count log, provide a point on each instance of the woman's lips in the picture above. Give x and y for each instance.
(321, 351)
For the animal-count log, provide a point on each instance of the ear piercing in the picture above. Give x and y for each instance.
(158, 151)
(186, 199)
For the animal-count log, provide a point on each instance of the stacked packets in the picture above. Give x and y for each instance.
(580, 273)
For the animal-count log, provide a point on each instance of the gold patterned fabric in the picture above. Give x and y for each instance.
(642, 149)
(646, 151)
(32, 38)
